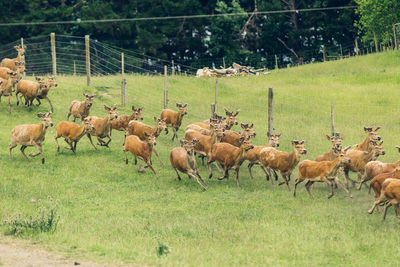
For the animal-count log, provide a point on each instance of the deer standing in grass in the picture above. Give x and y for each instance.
(229, 121)
(231, 157)
(231, 137)
(336, 148)
(183, 159)
(283, 162)
(322, 171)
(10, 62)
(72, 132)
(174, 118)
(80, 109)
(253, 155)
(6, 86)
(30, 90)
(372, 136)
(31, 135)
(51, 81)
(102, 126)
(122, 122)
(141, 149)
(140, 129)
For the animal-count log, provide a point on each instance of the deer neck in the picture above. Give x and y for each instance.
(294, 157)
(43, 129)
(370, 156)
(365, 145)
(81, 131)
(335, 165)
(239, 154)
(179, 119)
(191, 161)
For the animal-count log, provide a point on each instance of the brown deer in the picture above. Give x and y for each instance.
(336, 141)
(373, 168)
(231, 137)
(229, 121)
(51, 81)
(174, 118)
(31, 135)
(141, 149)
(231, 157)
(6, 86)
(253, 155)
(10, 62)
(80, 109)
(372, 136)
(282, 161)
(359, 159)
(30, 89)
(322, 171)
(72, 133)
(140, 129)
(121, 123)
(390, 194)
(183, 159)
(377, 182)
(102, 126)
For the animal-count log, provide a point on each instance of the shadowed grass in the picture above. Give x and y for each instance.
(111, 213)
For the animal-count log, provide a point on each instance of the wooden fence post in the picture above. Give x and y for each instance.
(87, 59)
(74, 68)
(341, 51)
(22, 45)
(276, 62)
(270, 111)
(395, 37)
(376, 43)
(53, 52)
(356, 42)
(165, 87)
(332, 119)
(216, 94)
(223, 62)
(324, 53)
(212, 111)
(123, 81)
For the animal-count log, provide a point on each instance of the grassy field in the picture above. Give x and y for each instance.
(111, 213)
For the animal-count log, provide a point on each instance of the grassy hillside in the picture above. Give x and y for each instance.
(111, 213)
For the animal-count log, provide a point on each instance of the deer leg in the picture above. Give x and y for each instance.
(70, 143)
(90, 139)
(197, 180)
(218, 168)
(75, 145)
(100, 141)
(175, 134)
(326, 180)
(385, 210)
(378, 201)
(126, 158)
(11, 148)
(337, 181)
(51, 105)
(226, 174)
(209, 169)
(308, 187)
(109, 140)
(397, 209)
(23, 152)
(151, 168)
(135, 159)
(39, 147)
(267, 175)
(249, 167)
(158, 157)
(179, 177)
(346, 176)
(237, 176)
(201, 178)
(58, 146)
(296, 182)
(16, 95)
(38, 100)
(9, 105)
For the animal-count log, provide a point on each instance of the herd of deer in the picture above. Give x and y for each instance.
(211, 139)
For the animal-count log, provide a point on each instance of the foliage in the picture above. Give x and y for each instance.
(46, 220)
(378, 16)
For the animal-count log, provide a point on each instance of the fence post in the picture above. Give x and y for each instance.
(376, 43)
(270, 111)
(173, 68)
(87, 59)
(123, 82)
(332, 119)
(324, 53)
(223, 62)
(216, 94)
(356, 42)
(165, 87)
(22, 45)
(276, 62)
(395, 37)
(212, 111)
(53, 52)
(341, 51)
(74, 68)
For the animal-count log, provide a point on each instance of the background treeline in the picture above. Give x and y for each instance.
(296, 36)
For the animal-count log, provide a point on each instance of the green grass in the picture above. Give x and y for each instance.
(111, 213)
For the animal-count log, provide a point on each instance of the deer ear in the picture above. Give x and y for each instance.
(381, 142)
(367, 129)
(377, 128)
(182, 143)
(328, 137)
(301, 142)
(279, 135)
(40, 115)
(178, 105)
(252, 125)
(107, 108)
(398, 148)
(346, 148)
(244, 126)
(155, 119)
(133, 108)
(115, 107)
(237, 112)
(185, 105)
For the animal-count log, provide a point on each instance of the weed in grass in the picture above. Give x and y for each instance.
(162, 249)
(46, 220)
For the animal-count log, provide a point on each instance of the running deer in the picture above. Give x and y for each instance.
(336, 141)
(283, 162)
(31, 135)
(51, 82)
(140, 129)
(359, 159)
(231, 137)
(80, 109)
(253, 155)
(372, 136)
(231, 157)
(183, 159)
(6, 86)
(72, 133)
(30, 89)
(102, 126)
(141, 149)
(121, 123)
(390, 194)
(377, 182)
(322, 171)
(230, 119)
(174, 118)
(373, 168)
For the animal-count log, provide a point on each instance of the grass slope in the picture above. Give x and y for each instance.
(111, 213)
